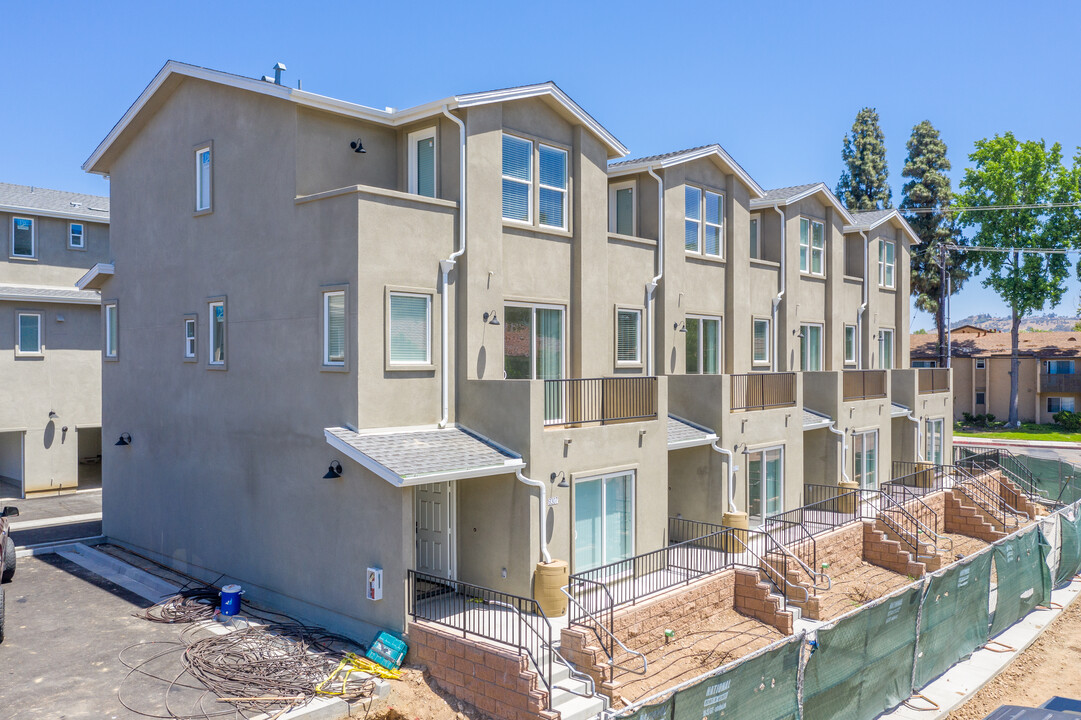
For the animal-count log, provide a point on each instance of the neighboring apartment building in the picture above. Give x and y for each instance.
(453, 304)
(50, 338)
(1048, 379)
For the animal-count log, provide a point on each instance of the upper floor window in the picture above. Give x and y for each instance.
(812, 247)
(885, 349)
(112, 336)
(703, 345)
(887, 263)
(704, 218)
(621, 210)
(422, 162)
(756, 243)
(760, 343)
(517, 179)
(1060, 367)
(334, 328)
(628, 336)
(29, 329)
(410, 329)
(981, 363)
(22, 238)
(810, 347)
(203, 178)
(189, 338)
(553, 187)
(217, 333)
(925, 363)
(850, 344)
(76, 236)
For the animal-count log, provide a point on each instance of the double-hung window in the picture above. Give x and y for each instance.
(703, 345)
(812, 247)
(981, 364)
(76, 236)
(22, 238)
(981, 397)
(189, 338)
(885, 349)
(628, 337)
(334, 328)
(203, 178)
(29, 334)
(217, 334)
(553, 186)
(810, 347)
(850, 344)
(112, 335)
(410, 329)
(760, 342)
(422, 162)
(704, 221)
(865, 451)
(1057, 404)
(887, 263)
(756, 242)
(621, 210)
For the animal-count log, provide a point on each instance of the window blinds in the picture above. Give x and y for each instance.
(627, 323)
(409, 329)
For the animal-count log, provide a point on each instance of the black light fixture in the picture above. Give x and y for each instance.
(358, 146)
(491, 318)
(334, 471)
(679, 326)
(53, 415)
(562, 479)
(125, 439)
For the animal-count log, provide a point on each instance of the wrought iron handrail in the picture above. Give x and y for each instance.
(599, 627)
(763, 390)
(805, 539)
(906, 526)
(1010, 465)
(973, 487)
(924, 511)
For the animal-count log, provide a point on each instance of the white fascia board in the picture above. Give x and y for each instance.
(756, 189)
(814, 189)
(7, 295)
(19, 210)
(817, 426)
(101, 270)
(707, 440)
(895, 214)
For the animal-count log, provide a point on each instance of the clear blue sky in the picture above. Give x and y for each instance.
(778, 84)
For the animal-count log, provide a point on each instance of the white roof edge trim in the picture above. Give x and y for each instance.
(706, 151)
(894, 213)
(48, 299)
(93, 273)
(19, 210)
(707, 440)
(342, 107)
(818, 187)
(508, 467)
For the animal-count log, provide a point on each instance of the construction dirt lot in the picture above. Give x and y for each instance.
(1048, 667)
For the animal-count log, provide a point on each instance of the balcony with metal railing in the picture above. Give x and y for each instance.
(600, 401)
(763, 391)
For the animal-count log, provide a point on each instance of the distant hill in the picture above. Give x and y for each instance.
(1050, 321)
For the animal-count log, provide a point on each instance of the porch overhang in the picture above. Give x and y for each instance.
(684, 434)
(48, 294)
(815, 420)
(95, 276)
(408, 456)
(897, 410)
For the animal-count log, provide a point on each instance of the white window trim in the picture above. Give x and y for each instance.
(191, 342)
(981, 364)
(755, 241)
(637, 362)
(604, 515)
(40, 316)
(207, 147)
(861, 472)
(762, 452)
(883, 265)
(1060, 399)
(530, 183)
(564, 191)
(427, 330)
(413, 139)
(533, 307)
(811, 222)
(769, 340)
(893, 348)
(326, 328)
(700, 249)
(855, 341)
(33, 239)
(702, 342)
(111, 353)
(821, 344)
(933, 428)
(220, 364)
(613, 191)
(71, 236)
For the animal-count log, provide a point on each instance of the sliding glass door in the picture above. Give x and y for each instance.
(934, 440)
(865, 449)
(765, 484)
(603, 520)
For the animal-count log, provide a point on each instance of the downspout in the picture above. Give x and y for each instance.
(780, 294)
(543, 512)
(731, 475)
(863, 307)
(447, 265)
(651, 286)
(844, 449)
(919, 455)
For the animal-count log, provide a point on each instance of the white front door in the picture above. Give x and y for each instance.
(434, 516)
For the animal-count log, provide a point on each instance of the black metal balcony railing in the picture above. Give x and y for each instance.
(1060, 382)
(760, 391)
(934, 380)
(599, 400)
(863, 384)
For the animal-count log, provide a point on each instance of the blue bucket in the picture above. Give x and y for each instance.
(230, 599)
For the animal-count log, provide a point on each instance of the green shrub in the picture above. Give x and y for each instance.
(1070, 421)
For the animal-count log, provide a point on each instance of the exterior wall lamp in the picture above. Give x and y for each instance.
(491, 318)
(125, 439)
(562, 479)
(333, 471)
(358, 146)
(680, 326)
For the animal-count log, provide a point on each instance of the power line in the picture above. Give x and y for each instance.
(1020, 250)
(951, 209)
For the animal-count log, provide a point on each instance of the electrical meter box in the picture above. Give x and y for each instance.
(375, 583)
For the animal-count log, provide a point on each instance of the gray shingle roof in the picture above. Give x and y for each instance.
(813, 420)
(49, 293)
(683, 433)
(777, 194)
(414, 456)
(658, 158)
(27, 197)
(870, 217)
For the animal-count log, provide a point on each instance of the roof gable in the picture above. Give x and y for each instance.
(870, 219)
(795, 193)
(678, 157)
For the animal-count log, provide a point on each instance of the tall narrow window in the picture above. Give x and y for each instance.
(810, 346)
(760, 344)
(885, 349)
(887, 263)
(756, 250)
(410, 329)
(703, 345)
(334, 328)
(422, 162)
(934, 440)
(714, 220)
(533, 348)
(29, 327)
(865, 452)
(693, 219)
(553, 187)
(704, 221)
(812, 246)
(850, 344)
(765, 484)
(202, 179)
(76, 238)
(628, 336)
(517, 179)
(621, 210)
(189, 338)
(22, 238)
(112, 336)
(981, 397)
(217, 332)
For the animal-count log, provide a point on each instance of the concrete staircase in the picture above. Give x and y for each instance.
(567, 694)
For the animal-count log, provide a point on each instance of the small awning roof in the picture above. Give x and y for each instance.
(899, 410)
(95, 276)
(684, 434)
(48, 294)
(408, 456)
(814, 420)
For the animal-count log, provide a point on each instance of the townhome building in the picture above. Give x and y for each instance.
(360, 350)
(51, 340)
(1047, 379)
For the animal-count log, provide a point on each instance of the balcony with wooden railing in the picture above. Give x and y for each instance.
(762, 391)
(601, 401)
(1060, 382)
(934, 380)
(863, 385)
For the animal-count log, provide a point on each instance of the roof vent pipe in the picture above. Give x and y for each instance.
(279, 68)
(445, 266)
(651, 286)
(543, 512)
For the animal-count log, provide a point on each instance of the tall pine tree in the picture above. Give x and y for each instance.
(864, 185)
(929, 187)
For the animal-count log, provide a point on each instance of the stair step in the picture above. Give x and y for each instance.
(572, 707)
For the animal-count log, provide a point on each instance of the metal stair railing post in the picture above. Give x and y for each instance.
(608, 647)
(776, 525)
(770, 545)
(972, 486)
(925, 514)
(897, 518)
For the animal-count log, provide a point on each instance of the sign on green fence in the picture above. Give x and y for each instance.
(954, 618)
(863, 665)
(1069, 563)
(1024, 580)
(763, 687)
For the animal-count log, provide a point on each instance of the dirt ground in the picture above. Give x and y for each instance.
(860, 585)
(416, 697)
(1048, 667)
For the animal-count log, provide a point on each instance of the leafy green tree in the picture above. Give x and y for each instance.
(1007, 171)
(864, 184)
(929, 187)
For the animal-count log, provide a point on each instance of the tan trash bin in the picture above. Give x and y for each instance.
(737, 541)
(846, 502)
(549, 580)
